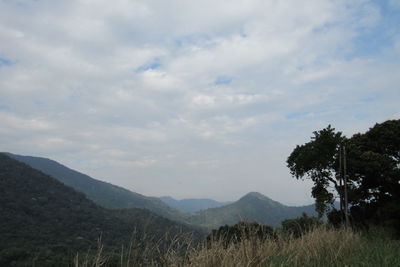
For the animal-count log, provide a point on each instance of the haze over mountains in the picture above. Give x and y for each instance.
(102, 193)
(192, 205)
(252, 207)
(46, 222)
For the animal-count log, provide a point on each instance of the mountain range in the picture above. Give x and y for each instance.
(43, 222)
(192, 205)
(252, 207)
(102, 193)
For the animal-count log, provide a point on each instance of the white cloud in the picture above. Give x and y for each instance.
(11, 123)
(144, 163)
(123, 85)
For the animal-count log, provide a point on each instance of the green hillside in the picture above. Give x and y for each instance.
(46, 222)
(102, 193)
(252, 207)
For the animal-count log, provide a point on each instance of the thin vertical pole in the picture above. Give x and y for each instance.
(345, 187)
(341, 179)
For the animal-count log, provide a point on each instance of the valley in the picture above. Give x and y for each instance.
(251, 207)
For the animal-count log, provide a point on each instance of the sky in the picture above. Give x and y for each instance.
(193, 98)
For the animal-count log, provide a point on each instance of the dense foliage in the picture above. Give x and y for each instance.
(241, 231)
(47, 223)
(317, 160)
(373, 172)
(301, 225)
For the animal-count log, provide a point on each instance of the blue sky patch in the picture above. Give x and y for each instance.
(369, 99)
(151, 66)
(372, 41)
(296, 115)
(223, 80)
(38, 102)
(4, 107)
(6, 62)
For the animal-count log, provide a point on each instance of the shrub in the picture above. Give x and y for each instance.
(301, 225)
(241, 231)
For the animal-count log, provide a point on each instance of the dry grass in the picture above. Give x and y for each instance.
(320, 247)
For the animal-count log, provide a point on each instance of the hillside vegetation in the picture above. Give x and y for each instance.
(47, 223)
(252, 207)
(102, 193)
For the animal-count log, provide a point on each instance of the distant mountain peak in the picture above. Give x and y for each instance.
(257, 195)
(168, 198)
(253, 206)
(192, 205)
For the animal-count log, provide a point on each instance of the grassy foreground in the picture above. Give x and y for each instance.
(320, 247)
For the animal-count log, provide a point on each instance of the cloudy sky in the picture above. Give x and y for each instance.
(193, 98)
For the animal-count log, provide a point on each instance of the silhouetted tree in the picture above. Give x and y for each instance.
(318, 160)
(374, 168)
(373, 172)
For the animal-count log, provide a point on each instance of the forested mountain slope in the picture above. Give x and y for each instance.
(252, 207)
(43, 220)
(102, 193)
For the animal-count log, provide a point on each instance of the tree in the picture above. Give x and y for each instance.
(318, 160)
(374, 168)
(373, 172)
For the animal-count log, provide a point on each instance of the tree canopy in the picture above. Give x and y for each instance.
(373, 171)
(317, 160)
